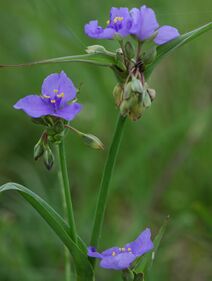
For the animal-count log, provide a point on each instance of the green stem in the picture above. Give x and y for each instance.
(66, 189)
(67, 205)
(104, 186)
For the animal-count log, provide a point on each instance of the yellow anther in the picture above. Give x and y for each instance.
(119, 249)
(113, 253)
(116, 19)
(123, 249)
(53, 101)
(46, 97)
(55, 91)
(61, 95)
(108, 22)
(129, 249)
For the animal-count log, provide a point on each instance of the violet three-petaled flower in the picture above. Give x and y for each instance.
(57, 92)
(121, 258)
(145, 25)
(119, 25)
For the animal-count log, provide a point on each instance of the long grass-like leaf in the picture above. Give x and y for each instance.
(58, 225)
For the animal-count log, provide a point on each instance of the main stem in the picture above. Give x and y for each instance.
(105, 181)
(67, 204)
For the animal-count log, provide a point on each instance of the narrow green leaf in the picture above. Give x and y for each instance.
(148, 259)
(165, 49)
(107, 60)
(58, 225)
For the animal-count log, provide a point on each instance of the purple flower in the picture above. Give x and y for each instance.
(121, 258)
(119, 24)
(145, 25)
(57, 91)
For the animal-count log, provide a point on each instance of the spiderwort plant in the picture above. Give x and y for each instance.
(135, 30)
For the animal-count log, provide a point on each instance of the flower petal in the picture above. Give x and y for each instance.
(118, 262)
(120, 21)
(93, 253)
(166, 33)
(69, 111)
(144, 25)
(34, 106)
(110, 251)
(142, 244)
(93, 30)
(58, 83)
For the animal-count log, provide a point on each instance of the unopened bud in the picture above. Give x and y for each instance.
(95, 49)
(117, 94)
(139, 276)
(152, 93)
(137, 85)
(127, 275)
(38, 150)
(146, 99)
(92, 141)
(129, 49)
(150, 55)
(48, 158)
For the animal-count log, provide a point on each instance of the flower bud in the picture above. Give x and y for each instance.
(146, 99)
(139, 277)
(117, 94)
(137, 85)
(48, 158)
(92, 141)
(150, 55)
(152, 93)
(95, 49)
(127, 275)
(130, 51)
(38, 150)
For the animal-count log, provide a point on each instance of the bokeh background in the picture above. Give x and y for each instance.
(164, 165)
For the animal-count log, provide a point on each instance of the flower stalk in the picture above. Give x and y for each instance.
(67, 204)
(105, 181)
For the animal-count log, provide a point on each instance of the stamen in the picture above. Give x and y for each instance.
(53, 101)
(46, 97)
(116, 19)
(129, 249)
(61, 95)
(55, 91)
(123, 249)
(108, 22)
(113, 253)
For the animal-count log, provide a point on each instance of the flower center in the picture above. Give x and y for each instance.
(56, 100)
(118, 19)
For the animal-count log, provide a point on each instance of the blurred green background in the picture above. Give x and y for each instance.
(164, 165)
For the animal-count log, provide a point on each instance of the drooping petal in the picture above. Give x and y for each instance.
(165, 34)
(59, 84)
(34, 106)
(69, 111)
(142, 244)
(118, 262)
(145, 24)
(93, 253)
(93, 30)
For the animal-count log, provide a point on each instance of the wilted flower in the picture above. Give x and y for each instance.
(121, 258)
(57, 92)
(119, 24)
(145, 25)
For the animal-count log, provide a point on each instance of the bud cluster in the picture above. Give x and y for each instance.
(133, 98)
(53, 134)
